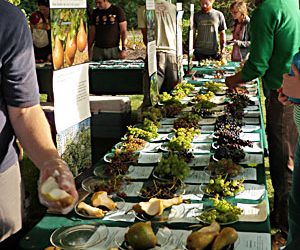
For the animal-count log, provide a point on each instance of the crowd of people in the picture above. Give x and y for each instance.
(265, 44)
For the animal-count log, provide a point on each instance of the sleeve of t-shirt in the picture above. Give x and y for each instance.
(121, 15)
(93, 20)
(19, 81)
(262, 42)
(222, 24)
(141, 17)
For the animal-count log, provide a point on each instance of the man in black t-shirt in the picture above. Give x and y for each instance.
(108, 26)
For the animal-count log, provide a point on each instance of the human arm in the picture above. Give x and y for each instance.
(222, 41)
(92, 33)
(234, 80)
(123, 32)
(291, 84)
(33, 131)
(141, 19)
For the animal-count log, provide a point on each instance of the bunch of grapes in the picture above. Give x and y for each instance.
(213, 86)
(224, 187)
(204, 97)
(240, 100)
(222, 212)
(133, 144)
(112, 185)
(187, 120)
(172, 166)
(171, 110)
(187, 132)
(184, 87)
(225, 167)
(152, 113)
(168, 99)
(140, 133)
(228, 121)
(160, 189)
(236, 154)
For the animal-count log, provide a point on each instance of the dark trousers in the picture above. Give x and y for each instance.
(282, 138)
(199, 56)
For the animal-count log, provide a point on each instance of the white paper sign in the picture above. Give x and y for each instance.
(185, 212)
(165, 129)
(122, 214)
(137, 173)
(249, 174)
(250, 136)
(252, 192)
(253, 241)
(132, 189)
(197, 177)
(68, 4)
(250, 128)
(167, 121)
(152, 147)
(199, 160)
(151, 52)
(145, 158)
(203, 138)
(201, 148)
(71, 96)
(161, 137)
(252, 159)
(251, 120)
(207, 128)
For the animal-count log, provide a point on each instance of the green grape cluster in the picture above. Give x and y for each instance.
(204, 97)
(182, 141)
(152, 113)
(183, 89)
(140, 133)
(187, 120)
(169, 99)
(222, 212)
(213, 86)
(172, 166)
(224, 187)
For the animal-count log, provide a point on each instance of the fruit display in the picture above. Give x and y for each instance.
(168, 99)
(203, 109)
(222, 212)
(183, 87)
(153, 114)
(211, 237)
(237, 154)
(147, 131)
(223, 186)
(172, 167)
(69, 37)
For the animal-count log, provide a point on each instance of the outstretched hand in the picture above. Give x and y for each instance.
(59, 170)
(291, 84)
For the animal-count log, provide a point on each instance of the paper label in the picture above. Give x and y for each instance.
(122, 214)
(200, 160)
(145, 158)
(165, 129)
(250, 136)
(203, 138)
(252, 192)
(207, 128)
(185, 212)
(132, 189)
(201, 148)
(249, 174)
(253, 241)
(197, 177)
(137, 173)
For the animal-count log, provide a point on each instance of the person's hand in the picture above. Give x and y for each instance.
(291, 84)
(231, 82)
(59, 170)
(122, 54)
(283, 98)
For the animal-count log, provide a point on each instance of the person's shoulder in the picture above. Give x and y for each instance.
(217, 12)
(117, 8)
(10, 12)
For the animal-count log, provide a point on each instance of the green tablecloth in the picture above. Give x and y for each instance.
(115, 79)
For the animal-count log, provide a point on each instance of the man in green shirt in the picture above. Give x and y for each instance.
(275, 38)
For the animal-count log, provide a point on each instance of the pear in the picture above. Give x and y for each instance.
(200, 240)
(100, 198)
(227, 236)
(51, 191)
(70, 50)
(58, 54)
(140, 236)
(81, 37)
